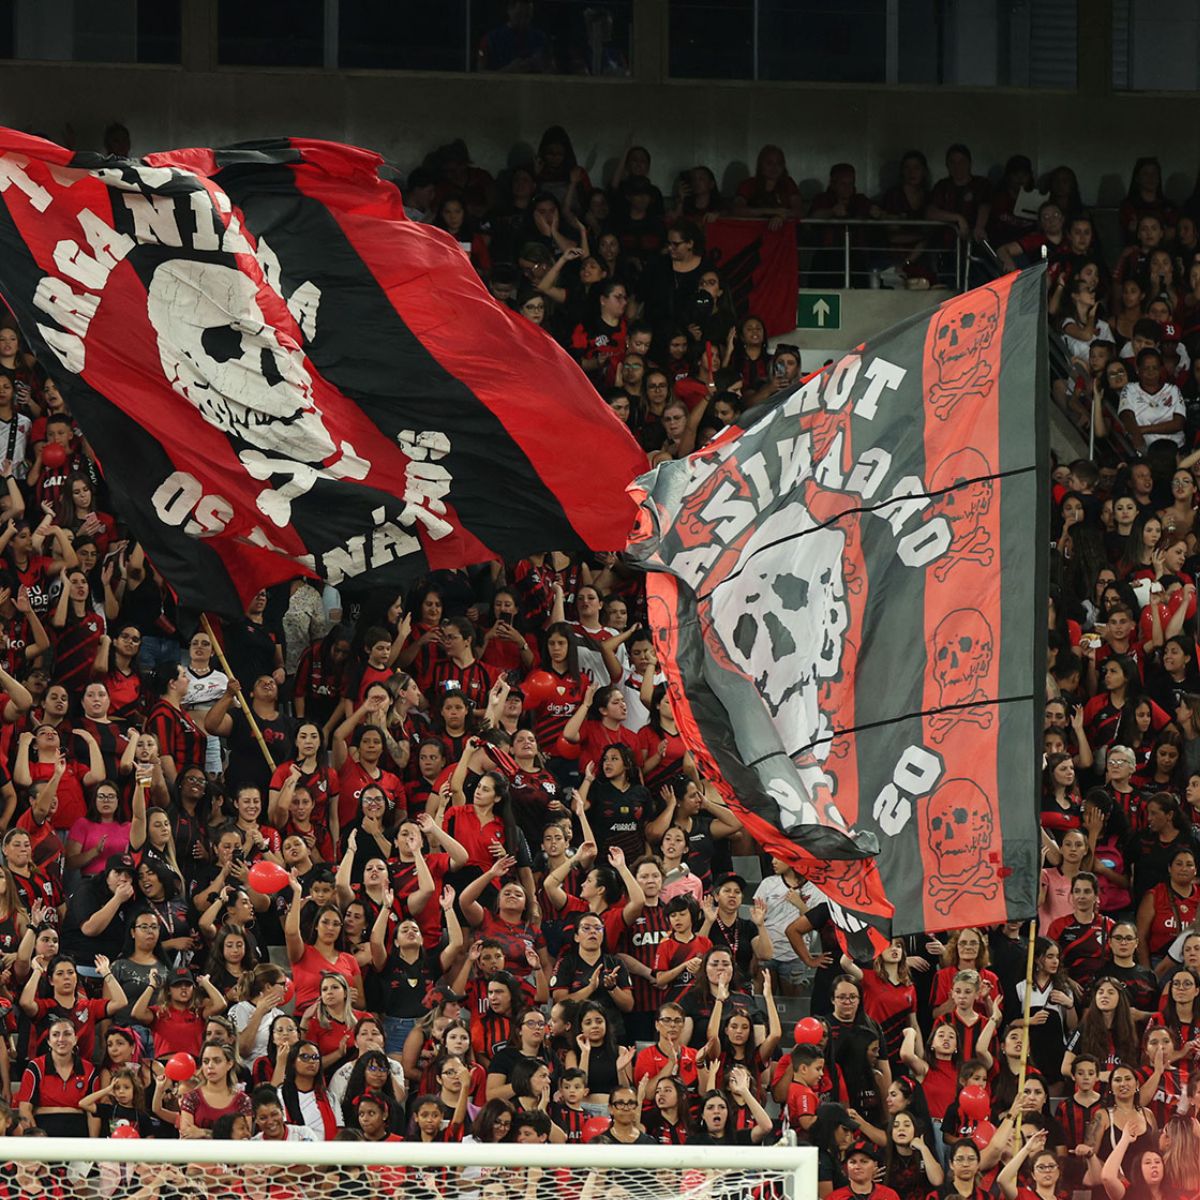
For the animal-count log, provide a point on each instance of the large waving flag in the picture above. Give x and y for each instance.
(281, 374)
(848, 596)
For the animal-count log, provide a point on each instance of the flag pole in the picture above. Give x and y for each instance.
(247, 712)
(1025, 1039)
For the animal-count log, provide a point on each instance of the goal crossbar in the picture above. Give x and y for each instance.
(782, 1160)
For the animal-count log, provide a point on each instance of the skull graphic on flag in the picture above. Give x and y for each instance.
(221, 355)
(783, 616)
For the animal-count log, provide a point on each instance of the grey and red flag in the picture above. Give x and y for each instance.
(281, 374)
(848, 596)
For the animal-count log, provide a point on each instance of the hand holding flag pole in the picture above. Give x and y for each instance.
(247, 711)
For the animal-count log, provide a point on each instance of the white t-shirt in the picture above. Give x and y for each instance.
(310, 1110)
(240, 1015)
(1077, 347)
(341, 1077)
(204, 690)
(637, 714)
(1147, 409)
(295, 1133)
(781, 912)
(20, 441)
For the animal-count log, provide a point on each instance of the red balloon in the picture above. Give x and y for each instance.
(808, 1032)
(289, 991)
(537, 686)
(126, 1131)
(53, 455)
(593, 1127)
(984, 1132)
(973, 1102)
(267, 877)
(180, 1066)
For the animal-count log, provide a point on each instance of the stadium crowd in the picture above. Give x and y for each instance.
(460, 878)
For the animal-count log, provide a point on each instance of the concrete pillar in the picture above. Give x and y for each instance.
(198, 35)
(650, 41)
(1094, 48)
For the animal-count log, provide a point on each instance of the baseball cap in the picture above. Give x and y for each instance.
(836, 1114)
(120, 862)
(180, 975)
(864, 1149)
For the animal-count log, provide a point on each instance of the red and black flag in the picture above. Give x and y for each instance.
(281, 374)
(848, 594)
(759, 267)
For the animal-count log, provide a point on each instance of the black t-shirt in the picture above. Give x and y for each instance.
(642, 1139)
(250, 648)
(246, 762)
(404, 984)
(617, 817)
(700, 1008)
(733, 1137)
(508, 1056)
(736, 938)
(87, 900)
(572, 973)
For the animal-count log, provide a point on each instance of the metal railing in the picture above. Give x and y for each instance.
(857, 261)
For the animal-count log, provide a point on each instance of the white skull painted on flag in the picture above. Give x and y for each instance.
(219, 353)
(783, 618)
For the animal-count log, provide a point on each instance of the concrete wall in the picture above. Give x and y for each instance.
(683, 123)
(403, 116)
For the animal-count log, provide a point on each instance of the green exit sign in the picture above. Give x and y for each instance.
(819, 310)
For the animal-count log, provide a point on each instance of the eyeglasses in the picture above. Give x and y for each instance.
(670, 1020)
(309, 1057)
(622, 1103)
(677, 241)
(1123, 937)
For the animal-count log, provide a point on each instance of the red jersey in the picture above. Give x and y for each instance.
(353, 778)
(75, 649)
(474, 681)
(176, 1030)
(84, 1014)
(671, 953)
(648, 741)
(550, 716)
(179, 737)
(640, 941)
(322, 784)
(513, 937)
(595, 737)
(1172, 914)
(889, 1006)
(462, 823)
(124, 694)
(72, 804)
(43, 1087)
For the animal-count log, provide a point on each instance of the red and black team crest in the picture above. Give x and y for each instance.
(845, 592)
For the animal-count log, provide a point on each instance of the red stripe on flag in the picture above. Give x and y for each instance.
(853, 884)
(411, 261)
(960, 832)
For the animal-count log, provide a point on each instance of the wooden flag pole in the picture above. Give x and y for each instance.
(243, 703)
(1025, 1040)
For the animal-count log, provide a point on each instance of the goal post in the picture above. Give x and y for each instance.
(98, 1168)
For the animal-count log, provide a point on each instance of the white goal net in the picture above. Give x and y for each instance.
(87, 1169)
